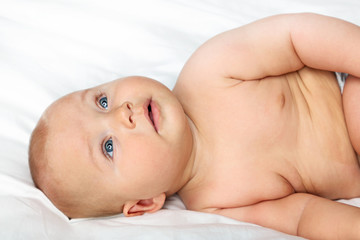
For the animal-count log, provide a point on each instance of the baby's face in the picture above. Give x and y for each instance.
(125, 140)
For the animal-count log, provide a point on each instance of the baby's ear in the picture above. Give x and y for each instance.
(139, 207)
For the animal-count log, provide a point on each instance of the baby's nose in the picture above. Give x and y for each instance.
(124, 113)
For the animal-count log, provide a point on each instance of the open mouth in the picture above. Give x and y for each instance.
(152, 113)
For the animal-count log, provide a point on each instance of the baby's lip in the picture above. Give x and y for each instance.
(152, 113)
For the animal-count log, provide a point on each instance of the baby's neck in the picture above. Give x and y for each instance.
(191, 169)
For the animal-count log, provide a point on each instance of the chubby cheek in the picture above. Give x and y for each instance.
(151, 160)
(147, 168)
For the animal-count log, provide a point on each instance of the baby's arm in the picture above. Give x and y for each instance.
(278, 45)
(301, 214)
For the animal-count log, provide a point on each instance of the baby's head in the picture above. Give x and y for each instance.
(118, 147)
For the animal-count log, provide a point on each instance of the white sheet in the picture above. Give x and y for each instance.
(50, 48)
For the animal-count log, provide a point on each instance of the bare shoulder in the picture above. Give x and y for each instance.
(243, 53)
(273, 46)
(229, 183)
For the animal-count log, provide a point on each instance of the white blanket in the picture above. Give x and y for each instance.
(50, 48)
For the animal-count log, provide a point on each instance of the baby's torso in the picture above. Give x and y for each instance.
(266, 139)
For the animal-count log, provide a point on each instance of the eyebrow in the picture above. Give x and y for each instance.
(83, 95)
(92, 154)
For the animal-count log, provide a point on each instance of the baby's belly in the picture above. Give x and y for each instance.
(317, 141)
(283, 135)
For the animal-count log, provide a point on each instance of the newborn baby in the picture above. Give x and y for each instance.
(255, 129)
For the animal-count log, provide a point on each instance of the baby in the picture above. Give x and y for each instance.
(255, 129)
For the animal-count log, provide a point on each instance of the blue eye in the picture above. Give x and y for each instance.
(108, 148)
(103, 102)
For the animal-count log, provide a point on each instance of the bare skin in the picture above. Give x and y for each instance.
(258, 134)
(273, 138)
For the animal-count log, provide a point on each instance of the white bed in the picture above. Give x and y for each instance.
(50, 48)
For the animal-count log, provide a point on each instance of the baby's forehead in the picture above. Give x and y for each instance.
(66, 130)
(64, 114)
(59, 104)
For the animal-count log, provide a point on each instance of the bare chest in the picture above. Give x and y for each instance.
(264, 137)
